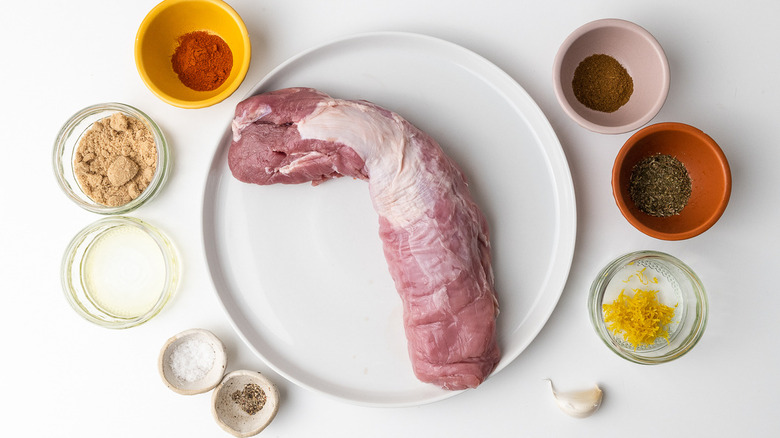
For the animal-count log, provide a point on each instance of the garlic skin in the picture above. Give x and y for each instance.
(578, 404)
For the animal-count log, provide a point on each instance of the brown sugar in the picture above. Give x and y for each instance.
(115, 160)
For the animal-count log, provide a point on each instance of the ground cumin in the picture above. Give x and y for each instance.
(115, 160)
(602, 84)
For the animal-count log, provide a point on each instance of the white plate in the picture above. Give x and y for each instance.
(300, 269)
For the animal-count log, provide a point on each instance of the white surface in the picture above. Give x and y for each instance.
(63, 56)
(306, 282)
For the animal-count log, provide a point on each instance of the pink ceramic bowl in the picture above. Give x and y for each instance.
(637, 51)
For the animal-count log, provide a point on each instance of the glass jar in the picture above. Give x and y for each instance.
(677, 286)
(119, 272)
(67, 143)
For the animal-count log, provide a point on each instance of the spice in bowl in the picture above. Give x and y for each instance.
(244, 403)
(601, 83)
(660, 185)
(251, 399)
(192, 362)
(202, 60)
(611, 76)
(193, 53)
(192, 359)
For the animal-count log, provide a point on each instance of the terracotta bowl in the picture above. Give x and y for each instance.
(637, 51)
(706, 165)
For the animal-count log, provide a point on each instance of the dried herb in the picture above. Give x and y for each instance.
(660, 185)
(251, 399)
(602, 84)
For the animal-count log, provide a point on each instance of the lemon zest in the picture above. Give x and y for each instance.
(640, 318)
(643, 277)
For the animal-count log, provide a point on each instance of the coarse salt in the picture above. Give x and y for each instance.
(192, 359)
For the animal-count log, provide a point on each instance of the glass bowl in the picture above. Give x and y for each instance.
(67, 143)
(676, 284)
(119, 272)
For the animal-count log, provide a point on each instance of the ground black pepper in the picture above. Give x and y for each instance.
(602, 84)
(660, 185)
(251, 399)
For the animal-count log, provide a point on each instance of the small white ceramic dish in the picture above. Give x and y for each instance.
(228, 412)
(192, 362)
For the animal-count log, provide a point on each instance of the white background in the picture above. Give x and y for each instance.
(65, 377)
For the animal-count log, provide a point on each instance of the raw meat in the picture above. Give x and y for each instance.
(434, 236)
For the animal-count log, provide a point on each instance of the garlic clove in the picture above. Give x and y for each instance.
(578, 404)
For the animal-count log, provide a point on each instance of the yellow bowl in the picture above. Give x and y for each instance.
(157, 40)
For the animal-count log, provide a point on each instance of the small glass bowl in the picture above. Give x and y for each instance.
(676, 284)
(91, 257)
(67, 143)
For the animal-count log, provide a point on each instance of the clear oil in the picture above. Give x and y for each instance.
(123, 272)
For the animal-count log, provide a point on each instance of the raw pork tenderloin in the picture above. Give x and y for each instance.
(434, 236)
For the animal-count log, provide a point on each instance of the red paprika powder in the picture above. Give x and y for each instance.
(202, 60)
